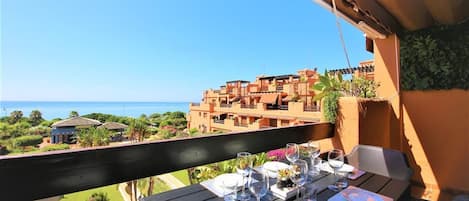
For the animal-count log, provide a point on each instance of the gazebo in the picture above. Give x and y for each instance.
(63, 131)
(119, 128)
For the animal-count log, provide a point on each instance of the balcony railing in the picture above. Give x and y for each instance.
(195, 104)
(283, 107)
(248, 106)
(241, 124)
(225, 105)
(31, 177)
(219, 121)
(311, 109)
(280, 88)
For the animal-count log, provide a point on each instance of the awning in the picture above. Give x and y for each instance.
(278, 117)
(269, 98)
(249, 115)
(217, 113)
(309, 119)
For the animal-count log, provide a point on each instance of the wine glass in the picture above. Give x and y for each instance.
(230, 187)
(259, 188)
(243, 166)
(315, 148)
(298, 174)
(335, 158)
(292, 152)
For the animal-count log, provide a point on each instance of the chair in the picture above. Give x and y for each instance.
(382, 161)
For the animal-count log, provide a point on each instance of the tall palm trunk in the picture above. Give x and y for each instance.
(151, 184)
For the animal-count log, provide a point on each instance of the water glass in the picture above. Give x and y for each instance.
(260, 187)
(292, 152)
(230, 188)
(342, 181)
(311, 193)
(315, 166)
(243, 167)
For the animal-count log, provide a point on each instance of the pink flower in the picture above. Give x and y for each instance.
(277, 154)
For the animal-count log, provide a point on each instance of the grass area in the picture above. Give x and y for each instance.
(111, 191)
(183, 176)
(159, 186)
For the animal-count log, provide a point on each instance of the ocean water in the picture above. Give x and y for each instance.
(52, 110)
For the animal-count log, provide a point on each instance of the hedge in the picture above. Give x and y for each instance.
(56, 147)
(27, 140)
(435, 58)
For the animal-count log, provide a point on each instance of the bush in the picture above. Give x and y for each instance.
(28, 140)
(99, 196)
(56, 147)
(435, 58)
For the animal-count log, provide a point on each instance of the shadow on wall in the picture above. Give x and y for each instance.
(436, 131)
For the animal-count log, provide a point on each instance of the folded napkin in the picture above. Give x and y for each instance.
(345, 168)
(353, 193)
(216, 187)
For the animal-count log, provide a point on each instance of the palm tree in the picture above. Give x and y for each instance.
(73, 114)
(15, 116)
(35, 117)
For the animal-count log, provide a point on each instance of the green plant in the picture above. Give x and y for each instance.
(55, 147)
(35, 117)
(27, 140)
(435, 58)
(361, 87)
(331, 89)
(99, 196)
(93, 137)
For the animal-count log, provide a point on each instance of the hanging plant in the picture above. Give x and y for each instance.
(333, 87)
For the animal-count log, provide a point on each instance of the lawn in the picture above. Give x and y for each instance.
(182, 176)
(112, 193)
(159, 186)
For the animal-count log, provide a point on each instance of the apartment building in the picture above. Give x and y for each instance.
(269, 101)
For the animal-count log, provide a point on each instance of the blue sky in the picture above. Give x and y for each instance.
(151, 50)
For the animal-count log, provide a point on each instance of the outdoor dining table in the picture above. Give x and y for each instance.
(392, 188)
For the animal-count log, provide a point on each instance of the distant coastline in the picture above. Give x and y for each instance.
(61, 109)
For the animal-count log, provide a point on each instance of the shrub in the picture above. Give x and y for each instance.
(99, 196)
(28, 140)
(56, 147)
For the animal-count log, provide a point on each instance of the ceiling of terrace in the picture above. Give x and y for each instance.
(392, 16)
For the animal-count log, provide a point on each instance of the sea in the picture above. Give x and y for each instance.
(52, 109)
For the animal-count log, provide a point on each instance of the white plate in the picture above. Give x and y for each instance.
(326, 167)
(230, 178)
(272, 168)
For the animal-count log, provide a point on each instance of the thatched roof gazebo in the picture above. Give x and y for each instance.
(76, 121)
(113, 126)
(119, 128)
(64, 131)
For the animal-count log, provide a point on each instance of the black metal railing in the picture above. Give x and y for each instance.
(283, 107)
(42, 175)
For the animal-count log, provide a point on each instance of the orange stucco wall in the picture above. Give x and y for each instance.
(431, 127)
(386, 56)
(436, 130)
